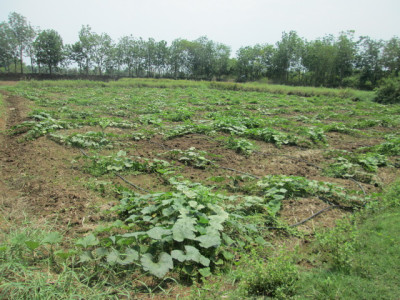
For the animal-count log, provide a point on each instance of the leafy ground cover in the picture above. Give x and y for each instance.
(173, 186)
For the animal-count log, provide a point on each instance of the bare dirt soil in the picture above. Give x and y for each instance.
(36, 178)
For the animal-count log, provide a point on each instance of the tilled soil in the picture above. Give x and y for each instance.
(42, 179)
(37, 180)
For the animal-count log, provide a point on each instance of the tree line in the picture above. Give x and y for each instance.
(331, 61)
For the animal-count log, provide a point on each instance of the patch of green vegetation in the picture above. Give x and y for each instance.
(241, 146)
(389, 91)
(361, 255)
(35, 264)
(276, 277)
(2, 106)
(98, 165)
(190, 157)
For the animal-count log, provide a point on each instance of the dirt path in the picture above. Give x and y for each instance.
(12, 200)
(37, 181)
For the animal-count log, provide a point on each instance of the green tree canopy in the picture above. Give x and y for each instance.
(49, 49)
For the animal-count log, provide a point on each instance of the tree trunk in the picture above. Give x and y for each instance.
(31, 64)
(22, 70)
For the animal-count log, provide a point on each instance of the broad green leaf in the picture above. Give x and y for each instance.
(259, 240)
(203, 220)
(86, 256)
(158, 232)
(217, 220)
(205, 272)
(101, 252)
(131, 256)
(204, 261)
(188, 269)
(87, 241)
(149, 209)
(113, 257)
(190, 193)
(32, 245)
(178, 255)
(210, 239)
(228, 241)
(121, 153)
(184, 229)
(160, 268)
(192, 254)
(227, 255)
(273, 207)
(166, 212)
(65, 254)
(52, 238)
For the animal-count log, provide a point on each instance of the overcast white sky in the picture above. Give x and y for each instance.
(235, 23)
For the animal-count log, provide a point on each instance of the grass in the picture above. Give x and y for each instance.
(249, 87)
(2, 106)
(371, 268)
(27, 272)
(294, 90)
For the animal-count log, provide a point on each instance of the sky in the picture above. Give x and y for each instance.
(235, 23)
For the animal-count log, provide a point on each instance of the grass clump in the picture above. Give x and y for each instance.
(274, 278)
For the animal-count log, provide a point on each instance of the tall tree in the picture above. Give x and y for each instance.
(288, 54)
(87, 44)
(23, 33)
(319, 61)
(75, 53)
(178, 59)
(102, 46)
(7, 46)
(161, 57)
(345, 56)
(254, 62)
(49, 49)
(391, 56)
(222, 55)
(369, 62)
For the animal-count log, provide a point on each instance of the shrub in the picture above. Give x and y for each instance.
(389, 91)
(274, 278)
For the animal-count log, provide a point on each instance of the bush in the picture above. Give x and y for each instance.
(275, 278)
(389, 91)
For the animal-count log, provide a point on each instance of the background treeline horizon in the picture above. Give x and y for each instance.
(330, 61)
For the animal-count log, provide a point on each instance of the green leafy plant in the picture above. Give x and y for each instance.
(270, 135)
(186, 129)
(190, 157)
(241, 146)
(180, 229)
(89, 139)
(99, 165)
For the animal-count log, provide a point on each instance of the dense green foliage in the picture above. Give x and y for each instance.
(48, 49)
(342, 61)
(389, 91)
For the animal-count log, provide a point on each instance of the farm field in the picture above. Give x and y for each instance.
(184, 180)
